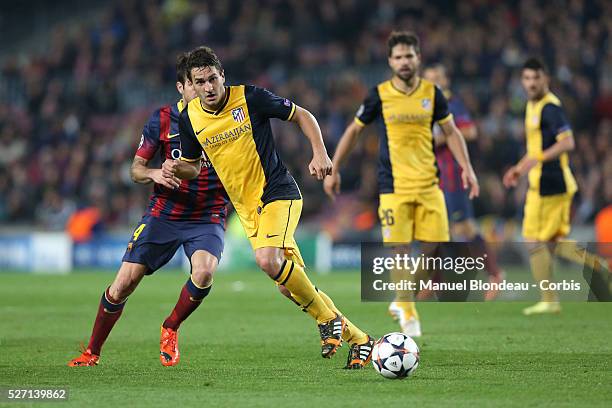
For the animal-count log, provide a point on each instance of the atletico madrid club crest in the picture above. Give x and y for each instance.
(238, 115)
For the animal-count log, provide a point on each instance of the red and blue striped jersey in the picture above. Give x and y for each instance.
(203, 199)
(450, 171)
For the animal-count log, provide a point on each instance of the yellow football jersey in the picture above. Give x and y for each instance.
(237, 139)
(545, 123)
(407, 162)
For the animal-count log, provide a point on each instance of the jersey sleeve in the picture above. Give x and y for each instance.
(149, 140)
(191, 150)
(268, 104)
(554, 117)
(370, 109)
(441, 113)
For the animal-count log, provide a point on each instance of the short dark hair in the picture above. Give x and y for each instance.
(203, 57)
(182, 73)
(403, 37)
(536, 64)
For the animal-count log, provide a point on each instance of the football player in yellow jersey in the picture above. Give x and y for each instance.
(551, 187)
(411, 203)
(230, 125)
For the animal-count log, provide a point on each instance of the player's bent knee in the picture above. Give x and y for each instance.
(268, 262)
(202, 276)
(203, 266)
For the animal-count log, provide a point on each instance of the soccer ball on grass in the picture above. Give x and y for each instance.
(395, 356)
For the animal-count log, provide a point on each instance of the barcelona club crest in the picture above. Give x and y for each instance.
(426, 103)
(238, 115)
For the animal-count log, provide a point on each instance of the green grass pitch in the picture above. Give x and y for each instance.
(248, 346)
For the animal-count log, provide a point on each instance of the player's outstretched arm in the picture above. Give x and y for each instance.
(184, 170)
(512, 175)
(457, 146)
(142, 174)
(320, 165)
(347, 143)
(565, 143)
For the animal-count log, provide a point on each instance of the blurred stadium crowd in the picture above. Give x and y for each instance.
(71, 116)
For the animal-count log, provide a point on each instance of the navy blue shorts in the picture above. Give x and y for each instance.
(155, 241)
(458, 205)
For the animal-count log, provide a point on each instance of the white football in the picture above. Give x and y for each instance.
(395, 356)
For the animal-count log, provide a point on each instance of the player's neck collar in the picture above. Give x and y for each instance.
(223, 104)
(541, 98)
(418, 85)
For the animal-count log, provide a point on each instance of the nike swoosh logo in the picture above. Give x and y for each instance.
(171, 136)
(271, 236)
(200, 131)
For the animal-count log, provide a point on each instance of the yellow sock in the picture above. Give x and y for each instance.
(421, 275)
(594, 270)
(351, 334)
(540, 260)
(398, 276)
(293, 277)
(572, 252)
(405, 298)
(409, 309)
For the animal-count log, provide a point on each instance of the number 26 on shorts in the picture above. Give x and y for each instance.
(386, 217)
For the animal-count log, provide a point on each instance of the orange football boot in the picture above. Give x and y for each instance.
(360, 355)
(85, 359)
(331, 335)
(168, 347)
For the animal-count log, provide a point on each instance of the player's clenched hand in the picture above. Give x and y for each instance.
(320, 166)
(171, 182)
(169, 168)
(470, 182)
(331, 185)
(511, 177)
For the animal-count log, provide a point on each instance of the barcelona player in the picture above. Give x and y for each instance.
(188, 213)
(411, 203)
(458, 205)
(231, 126)
(546, 221)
